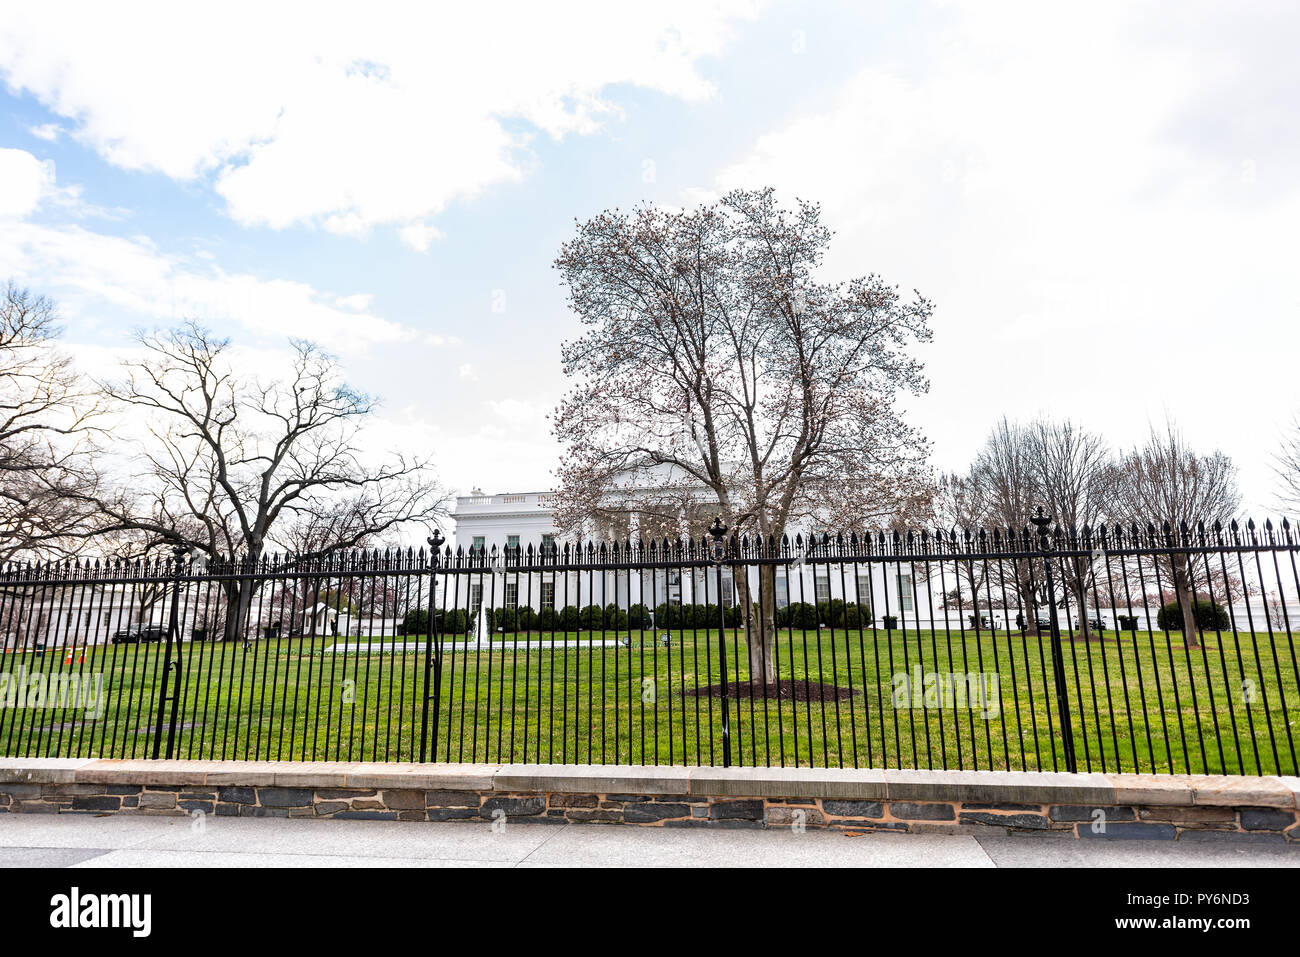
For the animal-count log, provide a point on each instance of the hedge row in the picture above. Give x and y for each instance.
(1210, 616)
(836, 614)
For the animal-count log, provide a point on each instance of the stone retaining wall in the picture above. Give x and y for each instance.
(1070, 805)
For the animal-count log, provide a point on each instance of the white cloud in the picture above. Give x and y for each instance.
(46, 131)
(349, 121)
(466, 371)
(437, 340)
(526, 415)
(357, 303)
(91, 270)
(1095, 203)
(24, 182)
(419, 236)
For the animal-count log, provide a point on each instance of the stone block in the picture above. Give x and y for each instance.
(1266, 819)
(908, 811)
(284, 797)
(736, 811)
(863, 809)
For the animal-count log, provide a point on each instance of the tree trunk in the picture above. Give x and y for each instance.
(239, 600)
(1027, 597)
(760, 626)
(1186, 601)
(1081, 597)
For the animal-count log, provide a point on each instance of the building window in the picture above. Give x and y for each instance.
(864, 592)
(475, 596)
(478, 546)
(782, 592)
(512, 595)
(674, 585)
(548, 595)
(548, 544)
(512, 544)
(905, 592)
(823, 585)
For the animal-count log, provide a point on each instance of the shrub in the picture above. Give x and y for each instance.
(569, 617)
(416, 622)
(697, 617)
(842, 614)
(511, 620)
(890, 621)
(455, 622)
(591, 617)
(615, 618)
(1127, 622)
(638, 616)
(1210, 616)
(799, 614)
(668, 615)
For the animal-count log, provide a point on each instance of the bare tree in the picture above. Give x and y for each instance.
(331, 526)
(1073, 476)
(47, 433)
(230, 461)
(717, 364)
(1005, 476)
(958, 509)
(1165, 481)
(1286, 463)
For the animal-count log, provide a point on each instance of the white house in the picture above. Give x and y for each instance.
(895, 588)
(511, 520)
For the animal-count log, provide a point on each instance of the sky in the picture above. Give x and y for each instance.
(1100, 199)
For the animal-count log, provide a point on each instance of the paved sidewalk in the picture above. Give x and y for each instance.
(87, 841)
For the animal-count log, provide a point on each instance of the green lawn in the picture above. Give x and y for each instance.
(1139, 703)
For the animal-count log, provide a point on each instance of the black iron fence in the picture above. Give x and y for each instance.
(1115, 649)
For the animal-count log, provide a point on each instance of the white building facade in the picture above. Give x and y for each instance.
(489, 523)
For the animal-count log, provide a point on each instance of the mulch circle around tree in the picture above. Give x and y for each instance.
(785, 690)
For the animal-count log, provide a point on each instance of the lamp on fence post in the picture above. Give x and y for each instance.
(718, 553)
(432, 653)
(1041, 522)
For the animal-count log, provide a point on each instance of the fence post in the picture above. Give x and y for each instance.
(718, 552)
(173, 634)
(1042, 521)
(432, 657)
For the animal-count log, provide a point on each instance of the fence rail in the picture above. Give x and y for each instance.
(1028, 649)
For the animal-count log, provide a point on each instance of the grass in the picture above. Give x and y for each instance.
(1137, 702)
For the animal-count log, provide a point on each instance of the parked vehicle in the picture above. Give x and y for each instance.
(138, 633)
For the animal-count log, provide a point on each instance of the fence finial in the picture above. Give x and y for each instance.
(1041, 521)
(718, 531)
